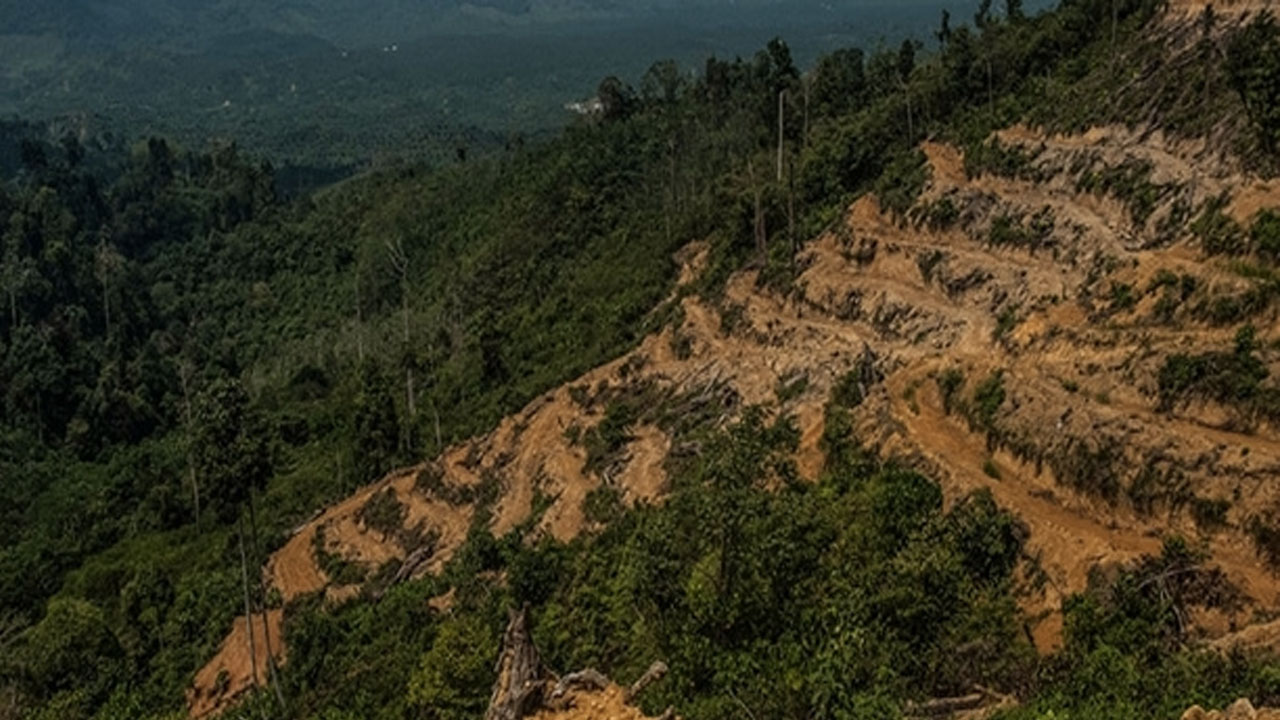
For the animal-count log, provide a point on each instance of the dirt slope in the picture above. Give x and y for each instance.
(917, 298)
(230, 673)
(607, 704)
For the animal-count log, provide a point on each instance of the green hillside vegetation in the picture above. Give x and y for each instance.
(190, 364)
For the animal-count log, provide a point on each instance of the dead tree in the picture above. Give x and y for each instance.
(945, 706)
(186, 373)
(524, 685)
(272, 673)
(399, 260)
(758, 222)
(248, 607)
(591, 680)
(782, 96)
(359, 320)
(656, 672)
(521, 677)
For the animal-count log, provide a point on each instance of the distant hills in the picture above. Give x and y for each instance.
(340, 83)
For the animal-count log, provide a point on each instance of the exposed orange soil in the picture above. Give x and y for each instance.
(233, 659)
(644, 480)
(1239, 710)
(294, 571)
(1074, 373)
(607, 704)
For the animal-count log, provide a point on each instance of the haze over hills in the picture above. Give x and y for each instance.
(335, 83)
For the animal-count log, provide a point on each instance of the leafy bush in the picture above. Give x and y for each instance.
(384, 513)
(1232, 378)
(928, 262)
(454, 677)
(1253, 63)
(988, 397)
(1006, 321)
(901, 182)
(1210, 514)
(603, 505)
(941, 214)
(1218, 234)
(990, 470)
(1265, 235)
(997, 158)
(1130, 183)
(1122, 297)
(611, 434)
(950, 383)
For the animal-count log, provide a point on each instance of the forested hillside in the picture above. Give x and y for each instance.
(341, 85)
(747, 373)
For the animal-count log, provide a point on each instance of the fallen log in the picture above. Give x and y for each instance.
(656, 672)
(944, 706)
(589, 679)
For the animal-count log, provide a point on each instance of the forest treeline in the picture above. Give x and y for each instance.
(191, 363)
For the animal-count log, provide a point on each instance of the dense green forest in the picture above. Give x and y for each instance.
(186, 353)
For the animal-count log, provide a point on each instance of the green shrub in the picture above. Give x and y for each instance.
(1210, 514)
(1122, 297)
(1130, 183)
(383, 512)
(928, 263)
(1252, 64)
(603, 505)
(1006, 321)
(454, 677)
(1232, 378)
(791, 387)
(336, 568)
(1266, 538)
(1265, 235)
(941, 214)
(950, 383)
(988, 397)
(990, 470)
(902, 181)
(1218, 234)
(608, 438)
(997, 158)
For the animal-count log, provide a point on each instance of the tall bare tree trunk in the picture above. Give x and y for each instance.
(262, 601)
(400, 262)
(359, 321)
(671, 186)
(439, 439)
(758, 229)
(782, 94)
(804, 136)
(911, 130)
(184, 378)
(991, 91)
(408, 370)
(248, 609)
(791, 214)
(104, 265)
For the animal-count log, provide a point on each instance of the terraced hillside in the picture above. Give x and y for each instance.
(921, 381)
(1016, 330)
